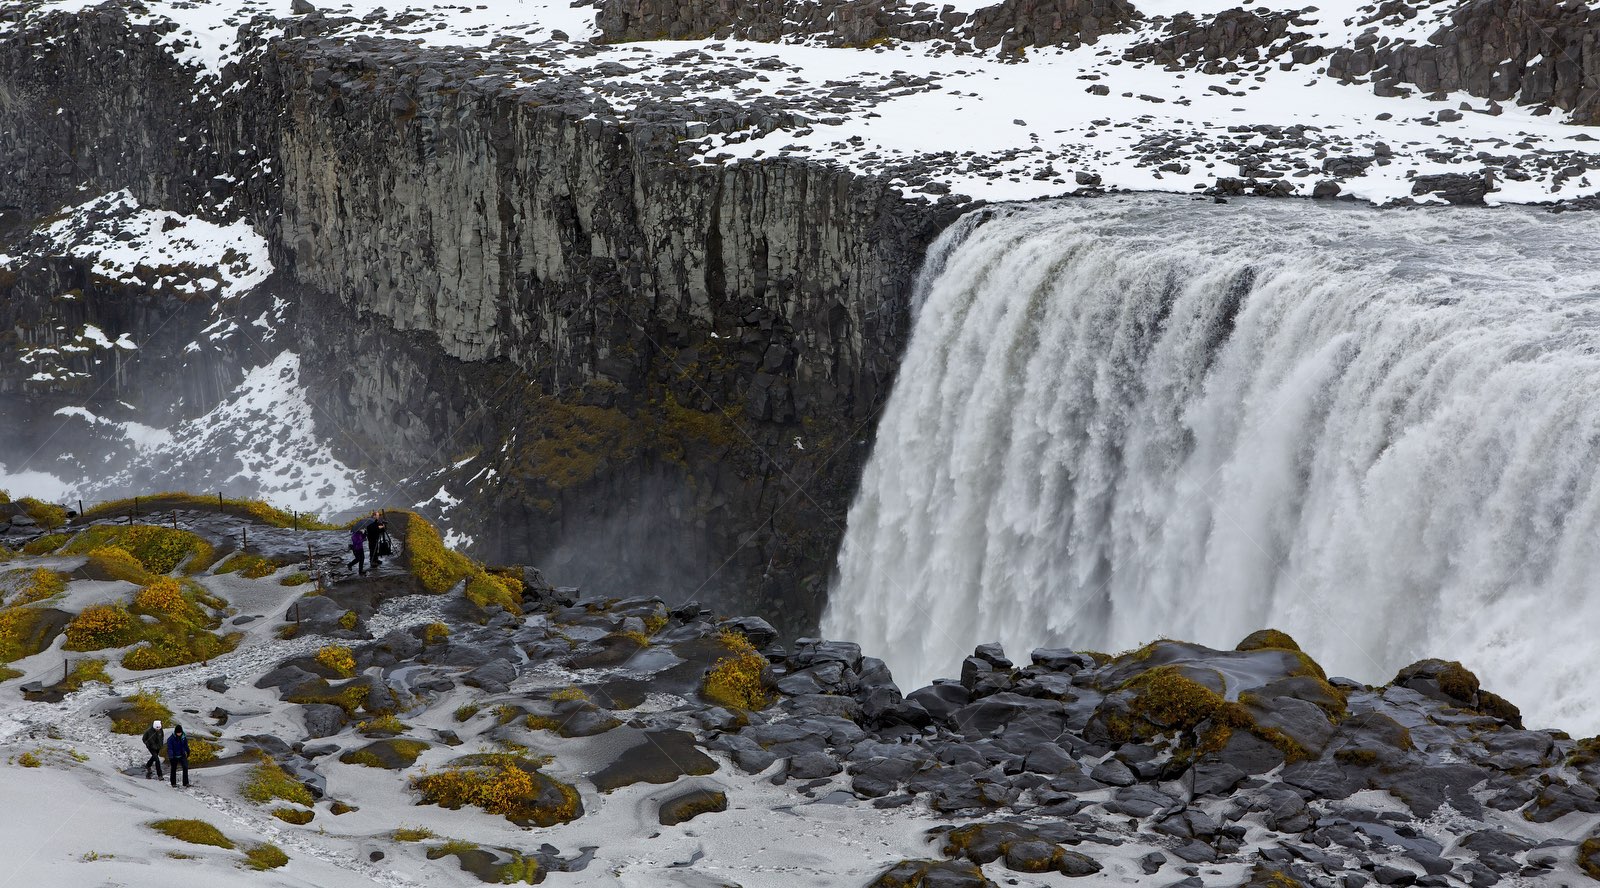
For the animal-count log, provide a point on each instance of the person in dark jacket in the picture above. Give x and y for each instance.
(178, 755)
(154, 740)
(358, 543)
(377, 539)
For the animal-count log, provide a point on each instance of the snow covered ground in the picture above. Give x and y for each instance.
(942, 116)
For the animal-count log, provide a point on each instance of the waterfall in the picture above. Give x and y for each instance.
(1120, 419)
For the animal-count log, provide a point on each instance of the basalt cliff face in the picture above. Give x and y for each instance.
(667, 369)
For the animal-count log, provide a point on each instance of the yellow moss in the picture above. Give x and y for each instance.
(29, 760)
(1267, 638)
(349, 620)
(252, 567)
(735, 682)
(265, 856)
(296, 816)
(338, 808)
(7, 673)
(437, 568)
(412, 834)
(433, 633)
(569, 694)
(268, 781)
(638, 638)
(466, 711)
(385, 724)
(195, 832)
(167, 650)
(338, 658)
(295, 579)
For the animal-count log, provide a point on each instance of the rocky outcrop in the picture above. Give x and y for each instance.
(1224, 42)
(645, 369)
(1011, 24)
(1533, 52)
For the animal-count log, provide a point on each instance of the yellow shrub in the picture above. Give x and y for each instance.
(502, 784)
(158, 549)
(42, 583)
(168, 650)
(349, 620)
(44, 545)
(203, 751)
(488, 590)
(22, 633)
(48, 515)
(100, 626)
(338, 658)
(735, 682)
(163, 595)
(117, 563)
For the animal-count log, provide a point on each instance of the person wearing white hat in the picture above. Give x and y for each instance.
(154, 742)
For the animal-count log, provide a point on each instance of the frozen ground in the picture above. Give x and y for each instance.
(943, 117)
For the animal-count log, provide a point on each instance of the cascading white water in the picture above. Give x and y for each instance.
(1128, 418)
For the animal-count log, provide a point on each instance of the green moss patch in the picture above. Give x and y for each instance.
(195, 832)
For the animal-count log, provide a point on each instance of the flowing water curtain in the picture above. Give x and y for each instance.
(1119, 420)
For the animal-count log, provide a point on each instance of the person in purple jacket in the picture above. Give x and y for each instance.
(358, 550)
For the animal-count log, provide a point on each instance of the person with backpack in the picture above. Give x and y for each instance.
(358, 543)
(154, 740)
(377, 539)
(178, 755)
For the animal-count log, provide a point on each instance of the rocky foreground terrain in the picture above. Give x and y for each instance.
(438, 722)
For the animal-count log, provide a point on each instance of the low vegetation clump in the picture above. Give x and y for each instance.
(203, 751)
(383, 724)
(24, 631)
(89, 669)
(349, 620)
(29, 760)
(138, 711)
(433, 633)
(1264, 639)
(164, 595)
(268, 781)
(299, 578)
(101, 626)
(115, 563)
(439, 569)
(393, 754)
(412, 834)
(158, 549)
(338, 659)
(296, 816)
(40, 583)
(466, 711)
(49, 515)
(166, 652)
(569, 694)
(736, 681)
(504, 784)
(265, 856)
(46, 544)
(195, 832)
(7, 673)
(251, 567)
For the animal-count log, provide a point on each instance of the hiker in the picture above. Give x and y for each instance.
(377, 539)
(178, 755)
(358, 543)
(154, 740)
